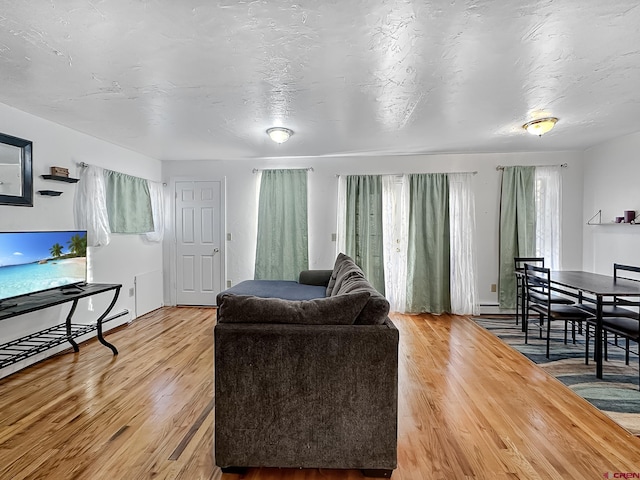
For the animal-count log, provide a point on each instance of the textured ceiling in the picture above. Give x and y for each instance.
(198, 79)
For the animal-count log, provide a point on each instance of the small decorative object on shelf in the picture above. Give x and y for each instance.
(59, 172)
(629, 216)
(49, 193)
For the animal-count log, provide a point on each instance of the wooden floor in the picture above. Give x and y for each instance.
(469, 407)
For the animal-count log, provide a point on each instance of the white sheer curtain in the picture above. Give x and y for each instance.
(462, 225)
(157, 210)
(394, 233)
(90, 206)
(342, 210)
(548, 198)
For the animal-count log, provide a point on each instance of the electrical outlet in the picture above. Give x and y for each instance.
(333, 237)
(493, 287)
(228, 237)
(132, 292)
(228, 283)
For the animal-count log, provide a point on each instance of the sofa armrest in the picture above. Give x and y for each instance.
(315, 277)
(321, 396)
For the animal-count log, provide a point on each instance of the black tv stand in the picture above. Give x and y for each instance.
(37, 342)
(5, 305)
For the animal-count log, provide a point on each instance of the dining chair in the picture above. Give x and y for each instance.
(538, 298)
(627, 328)
(518, 266)
(617, 307)
(622, 321)
(519, 263)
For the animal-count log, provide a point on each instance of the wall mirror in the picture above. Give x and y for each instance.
(16, 178)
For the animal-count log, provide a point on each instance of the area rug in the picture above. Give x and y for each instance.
(616, 394)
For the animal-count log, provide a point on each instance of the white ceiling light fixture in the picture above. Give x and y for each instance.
(540, 126)
(279, 134)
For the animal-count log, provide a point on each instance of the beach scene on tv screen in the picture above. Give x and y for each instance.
(34, 261)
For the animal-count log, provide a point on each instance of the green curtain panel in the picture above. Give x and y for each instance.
(128, 203)
(282, 250)
(428, 257)
(517, 227)
(363, 226)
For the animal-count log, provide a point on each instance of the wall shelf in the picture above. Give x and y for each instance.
(49, 193)
(611, 223)
(597, 220)
(58, 178)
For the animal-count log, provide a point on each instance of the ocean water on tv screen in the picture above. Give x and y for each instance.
(21, 279)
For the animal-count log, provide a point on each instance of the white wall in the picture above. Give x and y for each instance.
(241, 188)
(611, 185)
(119, 262)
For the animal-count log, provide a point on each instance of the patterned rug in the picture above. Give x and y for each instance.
(616, 394)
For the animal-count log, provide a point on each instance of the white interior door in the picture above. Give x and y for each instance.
(199, 241)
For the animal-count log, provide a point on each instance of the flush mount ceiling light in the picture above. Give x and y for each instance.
(279, 134)
(540, 126)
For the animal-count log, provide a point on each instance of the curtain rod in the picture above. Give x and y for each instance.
(563, 165)
(256, 170)
(85, 165)
(402, 174)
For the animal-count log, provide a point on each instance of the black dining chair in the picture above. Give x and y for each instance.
(518, 266)
(519, 263)
(617, 307)
(538, 299)
(627, 328)
(620, 318)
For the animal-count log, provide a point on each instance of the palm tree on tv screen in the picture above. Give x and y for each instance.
(78, 245)
(56, 250)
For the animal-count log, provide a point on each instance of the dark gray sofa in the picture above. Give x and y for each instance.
(306, 383)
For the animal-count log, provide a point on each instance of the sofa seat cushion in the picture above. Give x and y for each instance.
(336, 310)
(285, 289)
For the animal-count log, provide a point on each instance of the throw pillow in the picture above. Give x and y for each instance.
(336, 310)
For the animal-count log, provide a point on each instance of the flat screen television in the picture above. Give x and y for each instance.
(36, 261)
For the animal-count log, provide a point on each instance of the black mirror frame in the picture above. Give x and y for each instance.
(26, 199)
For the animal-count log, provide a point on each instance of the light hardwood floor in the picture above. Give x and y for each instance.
(469, 407)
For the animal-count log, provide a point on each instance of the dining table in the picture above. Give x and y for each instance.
(598, 289)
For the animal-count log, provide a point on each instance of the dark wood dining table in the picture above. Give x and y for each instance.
(600, 288)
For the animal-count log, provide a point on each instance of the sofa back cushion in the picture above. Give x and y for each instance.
(346, 278)
(344, 268)
(377, 307)
(336, 310)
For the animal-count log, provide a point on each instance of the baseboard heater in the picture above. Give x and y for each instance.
(495, 310)
(116, 315)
